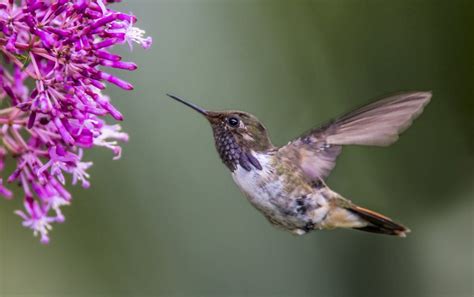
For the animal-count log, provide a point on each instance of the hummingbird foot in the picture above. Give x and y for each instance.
(310, 226)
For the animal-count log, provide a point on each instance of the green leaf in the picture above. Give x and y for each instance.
(25, 59)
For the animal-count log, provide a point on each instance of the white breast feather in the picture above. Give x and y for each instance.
(263, 191)
(256, 184)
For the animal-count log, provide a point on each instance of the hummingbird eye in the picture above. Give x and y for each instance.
(233, 121)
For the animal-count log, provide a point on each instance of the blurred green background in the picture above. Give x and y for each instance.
(167, 220)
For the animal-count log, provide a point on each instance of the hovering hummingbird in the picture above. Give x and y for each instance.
(287, 183)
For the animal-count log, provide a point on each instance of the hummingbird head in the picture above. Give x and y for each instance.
(237, 136)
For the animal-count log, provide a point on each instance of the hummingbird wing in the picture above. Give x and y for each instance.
(378, 124)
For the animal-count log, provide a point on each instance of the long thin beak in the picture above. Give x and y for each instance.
(193, 106)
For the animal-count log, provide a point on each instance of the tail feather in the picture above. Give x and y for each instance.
(342, 213)
(377, 223)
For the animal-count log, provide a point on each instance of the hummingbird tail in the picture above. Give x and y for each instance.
(342, 213)
(377, 223)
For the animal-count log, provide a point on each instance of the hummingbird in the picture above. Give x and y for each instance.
(287, 184)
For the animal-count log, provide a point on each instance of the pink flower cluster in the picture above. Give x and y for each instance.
(54, 55)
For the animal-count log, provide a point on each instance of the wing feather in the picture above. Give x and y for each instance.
(378, 124)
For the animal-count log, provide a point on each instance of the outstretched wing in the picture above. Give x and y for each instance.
(378, 123)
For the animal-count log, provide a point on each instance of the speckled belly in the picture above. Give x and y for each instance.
(298, 209)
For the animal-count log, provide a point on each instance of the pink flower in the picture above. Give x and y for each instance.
(36, 218)
(61, 49)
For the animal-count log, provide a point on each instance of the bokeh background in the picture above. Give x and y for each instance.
(167, 220)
